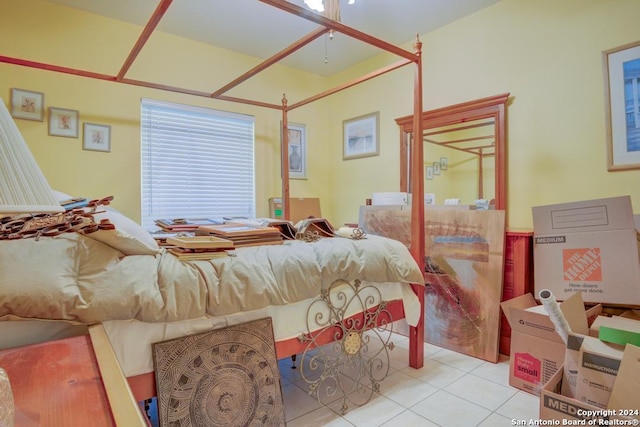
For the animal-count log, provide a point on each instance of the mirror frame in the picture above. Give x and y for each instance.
(490, 107)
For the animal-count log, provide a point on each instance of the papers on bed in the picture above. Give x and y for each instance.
(242, 234)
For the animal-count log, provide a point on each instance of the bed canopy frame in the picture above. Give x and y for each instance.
(326, 25)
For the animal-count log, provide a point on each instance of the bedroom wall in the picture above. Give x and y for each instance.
(547, 54)
(44, 32)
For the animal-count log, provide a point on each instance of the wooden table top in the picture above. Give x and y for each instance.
(57, 383)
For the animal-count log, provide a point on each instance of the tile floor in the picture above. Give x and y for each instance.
(451, 389)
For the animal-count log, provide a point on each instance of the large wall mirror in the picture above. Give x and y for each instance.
(464, 151)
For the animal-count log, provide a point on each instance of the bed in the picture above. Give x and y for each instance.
(136, 290)
(143, 294)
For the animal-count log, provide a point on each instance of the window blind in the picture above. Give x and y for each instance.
(195, 162)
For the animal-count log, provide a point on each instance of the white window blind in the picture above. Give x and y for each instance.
(196, 162)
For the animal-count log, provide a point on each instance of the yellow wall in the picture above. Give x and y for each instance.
(546, 53)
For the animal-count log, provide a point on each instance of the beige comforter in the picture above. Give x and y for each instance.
(83, 279)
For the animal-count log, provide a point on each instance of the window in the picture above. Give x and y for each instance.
(195, 162)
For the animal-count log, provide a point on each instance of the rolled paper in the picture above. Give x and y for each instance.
(347, 232)
(552, 308)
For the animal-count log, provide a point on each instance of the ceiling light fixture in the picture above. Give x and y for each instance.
(316, 5)
(319, 5)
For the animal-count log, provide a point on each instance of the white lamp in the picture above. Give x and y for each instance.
(23, 187)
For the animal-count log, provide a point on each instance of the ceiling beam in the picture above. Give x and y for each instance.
(146, 33)
(273, 60)
(351, 83)
(341, 28)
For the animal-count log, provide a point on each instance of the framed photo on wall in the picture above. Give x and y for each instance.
(26, 104)
(97, 137)
(297, 151)
(63, 122)
(361, 136)
(436, 168)
(428, 172)
(444, 163)
(622, 87)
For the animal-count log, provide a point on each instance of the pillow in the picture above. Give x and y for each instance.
(128, 237)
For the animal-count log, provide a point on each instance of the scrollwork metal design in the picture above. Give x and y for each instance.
(355, 320)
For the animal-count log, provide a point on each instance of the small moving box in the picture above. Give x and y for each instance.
(589, 247)
(567, 411)
(537, 351)
(299, 208)
(616, 329)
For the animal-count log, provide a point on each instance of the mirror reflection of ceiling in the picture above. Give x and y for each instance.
(474, 137)
(462, 161)
(464, 151)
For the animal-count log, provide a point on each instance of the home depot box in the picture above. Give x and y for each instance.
(589, 247)
(568, 411)
(537, 351)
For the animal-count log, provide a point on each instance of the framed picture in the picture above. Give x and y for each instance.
(428, 172)
(622, 87)
(361, 136)
(97, 137)
(436, 168)
(26, 104)
(297, 151)
(63, 122)
(444, 163)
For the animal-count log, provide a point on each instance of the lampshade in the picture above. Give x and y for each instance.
(23, 187)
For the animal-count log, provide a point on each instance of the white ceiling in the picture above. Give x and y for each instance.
(254, 28)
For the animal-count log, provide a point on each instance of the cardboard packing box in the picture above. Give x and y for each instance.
(537, 351)
(616, 329)
(597, 364)
(589, 247)
(555, 406)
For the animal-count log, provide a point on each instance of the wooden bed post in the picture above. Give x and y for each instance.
(284, 159)
(416, 333)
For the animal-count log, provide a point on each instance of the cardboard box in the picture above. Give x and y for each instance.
(589, 247)
(555, 406)
(537, 351)
(616, 330)
(389, 198)
(625, 396)
(299, 208)
(598, 365)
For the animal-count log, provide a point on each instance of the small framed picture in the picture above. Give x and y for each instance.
(361, 136)
(428, 172)
(297, 151)
(63, 122)
(26, 104)
(97, 137)
(436, 168)
(444, 163)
